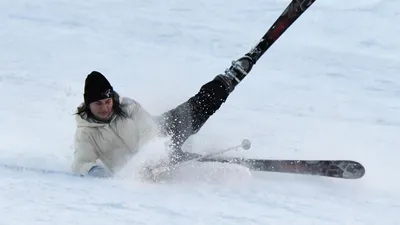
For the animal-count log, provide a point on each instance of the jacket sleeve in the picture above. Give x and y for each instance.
(85, 155)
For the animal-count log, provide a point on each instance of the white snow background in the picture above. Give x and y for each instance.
(329, 88)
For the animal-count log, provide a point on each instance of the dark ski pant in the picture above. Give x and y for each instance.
(187, 118)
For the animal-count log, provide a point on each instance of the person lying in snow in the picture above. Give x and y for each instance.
(112, 129)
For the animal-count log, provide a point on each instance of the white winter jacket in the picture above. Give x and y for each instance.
(115, 142)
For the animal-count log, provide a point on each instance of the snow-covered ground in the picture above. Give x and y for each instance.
(329, 88)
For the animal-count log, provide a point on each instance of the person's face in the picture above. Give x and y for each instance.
(102, 109)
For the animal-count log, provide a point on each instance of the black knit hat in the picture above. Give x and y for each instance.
(97, 87)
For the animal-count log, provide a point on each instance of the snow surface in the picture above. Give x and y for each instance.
(329, 88)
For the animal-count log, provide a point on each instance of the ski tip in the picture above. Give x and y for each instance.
(351, 169)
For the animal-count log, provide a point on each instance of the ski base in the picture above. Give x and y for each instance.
(346, 169)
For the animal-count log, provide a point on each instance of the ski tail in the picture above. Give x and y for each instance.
(346, 169)
(292, 12)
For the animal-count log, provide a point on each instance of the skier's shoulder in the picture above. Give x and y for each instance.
(129, 103)
(81, 117)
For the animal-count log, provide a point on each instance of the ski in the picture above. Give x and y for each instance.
(346, 169)
(293, 11)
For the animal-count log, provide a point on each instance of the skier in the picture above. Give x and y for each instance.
(111, 129)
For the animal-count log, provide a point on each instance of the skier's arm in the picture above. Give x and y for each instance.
(85, 157)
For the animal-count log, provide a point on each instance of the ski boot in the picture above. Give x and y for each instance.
(235, 73)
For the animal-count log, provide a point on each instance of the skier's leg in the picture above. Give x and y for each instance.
(187, 119)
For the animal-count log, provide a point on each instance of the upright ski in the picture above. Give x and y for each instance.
(293, 11)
